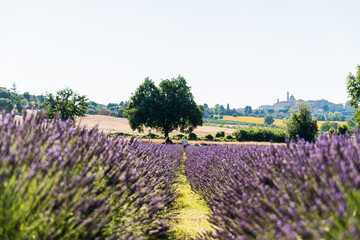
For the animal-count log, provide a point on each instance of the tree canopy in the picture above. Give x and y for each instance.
(67, 103)
(301, 124)
(168, 107)
(269, 120)
(353, 88)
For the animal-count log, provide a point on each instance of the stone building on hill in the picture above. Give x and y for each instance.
(281, 105)
(317, 106)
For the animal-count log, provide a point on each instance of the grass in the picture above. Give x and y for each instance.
(193, 217)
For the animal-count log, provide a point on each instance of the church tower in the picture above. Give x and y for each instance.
(287, 96)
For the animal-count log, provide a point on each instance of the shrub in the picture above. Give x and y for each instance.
(220, 134)
(269, 120)
(341, 129)
(91, 112)
(326, 126)
(119, 134)
(209, 137)
(178, 136)
(259, 135)
(192, 136)
(151, 135)
(229, 137)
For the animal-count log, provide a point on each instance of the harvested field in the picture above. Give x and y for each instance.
(110, 124)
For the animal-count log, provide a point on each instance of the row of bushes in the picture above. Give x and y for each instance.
(241, 135)
(60, 181)
(259, 135)
(249, 134)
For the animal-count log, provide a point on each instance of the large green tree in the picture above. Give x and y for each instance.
(168, 107)
(353, 88)
(66, 103)
(301, 124)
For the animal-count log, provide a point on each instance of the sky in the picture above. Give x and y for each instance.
(233, 52)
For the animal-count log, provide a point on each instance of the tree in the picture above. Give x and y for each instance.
(353, 89)
(165, 108)
(110, 105)
(269, 120)
(121, 113)
(342, 129)
(220, 134)
(301, 124)
(351, 123)
(27, 96)
(248, 110)
(326, 126)
(326, 108)
(14, 88)
(217, 109)
(222, 110)
(4, 93)
(6, 104)
(67, 103)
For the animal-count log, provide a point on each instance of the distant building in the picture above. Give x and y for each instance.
(104, 112)
(317, 106)
(281, 105)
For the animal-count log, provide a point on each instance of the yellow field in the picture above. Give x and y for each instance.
(278, 122)
(319, 123)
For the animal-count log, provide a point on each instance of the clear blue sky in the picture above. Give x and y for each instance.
(230, 51)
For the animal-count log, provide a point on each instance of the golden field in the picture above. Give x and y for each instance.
(319, 123)
(278, 122)
(110, 124)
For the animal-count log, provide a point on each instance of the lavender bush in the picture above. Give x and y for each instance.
(298, 191)
(58, 181)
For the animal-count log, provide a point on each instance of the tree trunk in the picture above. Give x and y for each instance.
(166, 131)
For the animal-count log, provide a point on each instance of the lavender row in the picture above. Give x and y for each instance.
(298, 191)
(58, 181)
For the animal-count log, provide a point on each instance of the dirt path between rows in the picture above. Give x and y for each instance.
(193, 218)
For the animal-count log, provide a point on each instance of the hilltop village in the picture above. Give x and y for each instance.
(317, 106)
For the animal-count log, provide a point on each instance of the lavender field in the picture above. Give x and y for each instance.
(299, 191)
(60, 181)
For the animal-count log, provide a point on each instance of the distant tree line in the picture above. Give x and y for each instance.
(115, 109)
(9, 98)
(218, 110)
